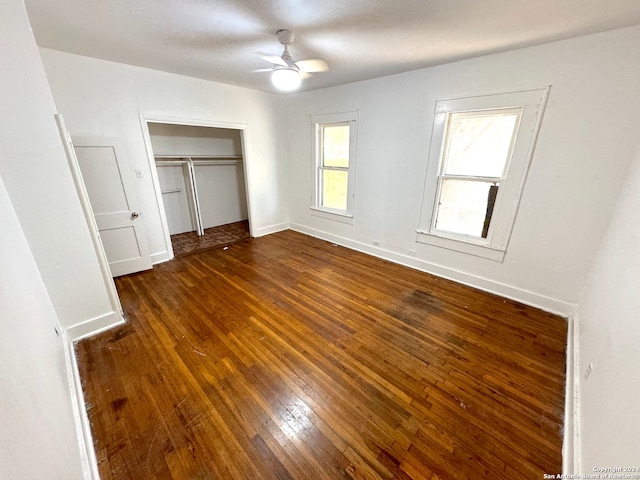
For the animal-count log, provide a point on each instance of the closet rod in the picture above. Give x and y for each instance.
(199, 157)
(171, 163)
(200, 163)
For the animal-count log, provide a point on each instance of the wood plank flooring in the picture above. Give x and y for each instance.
(188, 243)
(286, 357)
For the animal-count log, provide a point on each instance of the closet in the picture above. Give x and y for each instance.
(201, 176)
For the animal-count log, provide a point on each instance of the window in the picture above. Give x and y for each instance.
(479, 157)
(335, 160)
(477, 146)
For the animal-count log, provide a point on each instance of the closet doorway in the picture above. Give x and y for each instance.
(201, 180)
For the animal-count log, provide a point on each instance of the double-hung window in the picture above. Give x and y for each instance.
(334, 166)
(480, 153)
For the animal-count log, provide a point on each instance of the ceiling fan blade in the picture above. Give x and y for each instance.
(304, 75)
(312, 65)
(258, 70)
(276, 60)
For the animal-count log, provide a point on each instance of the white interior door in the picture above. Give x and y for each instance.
(113, 201)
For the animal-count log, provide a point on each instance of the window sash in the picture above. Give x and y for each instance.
(474, 114)
(321, 139)
(343, 169)
(482, 238)
(324, 202)
(471, 178)
(464, 178)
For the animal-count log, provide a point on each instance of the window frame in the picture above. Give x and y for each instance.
(494, 246)
(318, 123)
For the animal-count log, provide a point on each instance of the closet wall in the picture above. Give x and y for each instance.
(216, 160)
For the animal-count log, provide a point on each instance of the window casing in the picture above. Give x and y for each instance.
(480, 152)
(334, 166)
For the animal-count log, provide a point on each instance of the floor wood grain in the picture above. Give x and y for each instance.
(286, 357)
(188, 243)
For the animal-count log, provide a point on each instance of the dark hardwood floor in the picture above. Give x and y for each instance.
(221, 236)
(286, 357)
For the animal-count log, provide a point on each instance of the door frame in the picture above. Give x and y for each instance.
(83, 196)
(145, 119)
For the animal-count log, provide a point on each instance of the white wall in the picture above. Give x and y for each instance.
(36, 174)
(186, 140)
(609, 337)
(587, 139)
(37, 434)
(221, 194)
(98, 97)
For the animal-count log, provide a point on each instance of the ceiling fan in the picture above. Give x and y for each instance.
(287, 74)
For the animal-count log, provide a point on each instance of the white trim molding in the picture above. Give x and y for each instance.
(160, 257)
(94, 326)
(83, 427)
(335, 216)
(83, 196)
(262, 231)
(571, 441)
(145, 119)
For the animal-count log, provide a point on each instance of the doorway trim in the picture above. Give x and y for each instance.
(145, 119)
(111, 319)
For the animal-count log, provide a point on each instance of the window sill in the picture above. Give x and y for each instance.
(330, 215)
(458, 245)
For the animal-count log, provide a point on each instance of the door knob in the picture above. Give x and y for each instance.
(134, 215)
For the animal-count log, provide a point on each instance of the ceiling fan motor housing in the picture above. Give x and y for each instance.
(285, 37)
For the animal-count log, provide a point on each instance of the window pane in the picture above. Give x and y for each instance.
(334, 189)
(464, 205)
(479, 145)
(335, 146)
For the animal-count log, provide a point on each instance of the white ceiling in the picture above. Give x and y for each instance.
(360, 39)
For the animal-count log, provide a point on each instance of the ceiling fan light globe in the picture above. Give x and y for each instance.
(286, 79)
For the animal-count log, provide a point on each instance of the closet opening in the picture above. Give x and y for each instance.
(201, 181)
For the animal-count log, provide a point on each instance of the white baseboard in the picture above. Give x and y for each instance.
(260, 232)
(83, 427)
(160, 257)
(533, 299)
(571, 444)
(94, 326)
